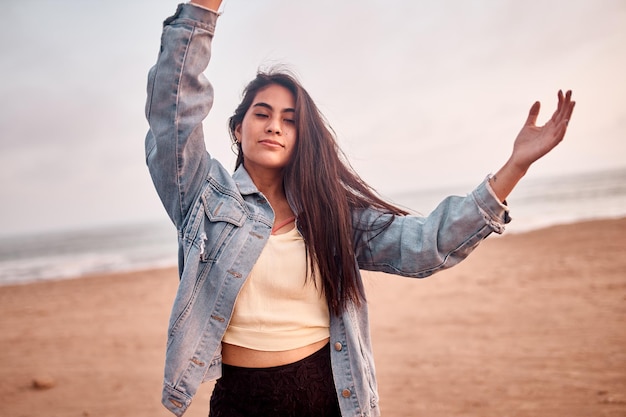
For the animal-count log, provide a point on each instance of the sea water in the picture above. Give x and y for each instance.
(534, 204)
(75, 253)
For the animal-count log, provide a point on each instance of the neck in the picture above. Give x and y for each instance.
(269, 187)
(270, 183)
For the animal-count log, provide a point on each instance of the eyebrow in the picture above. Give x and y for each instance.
(267, 106)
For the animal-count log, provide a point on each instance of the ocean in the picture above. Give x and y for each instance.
(535, 203)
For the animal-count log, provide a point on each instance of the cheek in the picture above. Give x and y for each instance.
(243, 131)
(291, 145)
(245, 145)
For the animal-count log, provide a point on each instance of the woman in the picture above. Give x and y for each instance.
(270, 301)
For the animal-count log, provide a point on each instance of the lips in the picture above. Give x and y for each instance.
(271, 143)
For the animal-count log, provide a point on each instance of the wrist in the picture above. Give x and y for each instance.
(507, 177)
(516, 167)
(211, 5)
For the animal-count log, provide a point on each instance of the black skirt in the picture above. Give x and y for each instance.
(300, 389)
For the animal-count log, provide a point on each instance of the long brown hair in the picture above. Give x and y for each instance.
(322, 189)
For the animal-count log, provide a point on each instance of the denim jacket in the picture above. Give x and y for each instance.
(223, 223)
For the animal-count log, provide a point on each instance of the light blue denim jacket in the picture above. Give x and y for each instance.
(223, 222)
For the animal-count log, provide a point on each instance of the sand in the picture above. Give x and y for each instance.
(530, 325)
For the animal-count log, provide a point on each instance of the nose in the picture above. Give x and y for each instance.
(274, 126)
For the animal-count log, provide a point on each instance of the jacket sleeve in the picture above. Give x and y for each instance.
(179, 98)
(418, 247)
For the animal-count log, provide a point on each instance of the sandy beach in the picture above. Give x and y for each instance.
(531, 324)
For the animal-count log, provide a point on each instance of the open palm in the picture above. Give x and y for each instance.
(533, 141)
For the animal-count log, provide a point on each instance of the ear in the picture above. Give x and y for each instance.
(238, 132)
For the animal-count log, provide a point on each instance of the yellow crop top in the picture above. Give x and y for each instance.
(279, 307)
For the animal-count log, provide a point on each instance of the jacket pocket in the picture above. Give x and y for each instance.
(223, 207)
(224, 215)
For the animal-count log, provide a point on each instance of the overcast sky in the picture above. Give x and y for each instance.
(421, 94)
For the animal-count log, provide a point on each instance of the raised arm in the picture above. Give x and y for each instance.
(179, 98)
(532, 143)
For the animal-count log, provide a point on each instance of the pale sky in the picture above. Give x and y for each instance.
(421, 94)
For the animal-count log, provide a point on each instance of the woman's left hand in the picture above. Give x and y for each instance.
(533, 141)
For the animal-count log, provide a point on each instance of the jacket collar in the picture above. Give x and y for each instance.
(244, 182)
(246, 185)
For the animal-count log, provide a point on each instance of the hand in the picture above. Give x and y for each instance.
(533, 141)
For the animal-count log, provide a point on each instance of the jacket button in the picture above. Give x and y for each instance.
(338, 346)
(346, 393)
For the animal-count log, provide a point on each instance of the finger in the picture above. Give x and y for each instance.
(568, 96)
(533, 113)
(562, 126)
(570, 111)
(568, 107)
(557, 116)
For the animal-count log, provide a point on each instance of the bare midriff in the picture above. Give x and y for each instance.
(250, 358)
